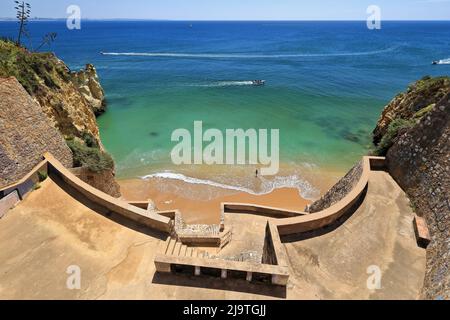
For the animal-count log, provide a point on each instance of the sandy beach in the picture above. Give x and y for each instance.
(200, 204)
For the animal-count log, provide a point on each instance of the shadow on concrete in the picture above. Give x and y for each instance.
(128, 223)
(330, 228)
(209, 282)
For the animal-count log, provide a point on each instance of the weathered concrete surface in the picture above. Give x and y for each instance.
(247, 242)
(379, 233)
(51, 230)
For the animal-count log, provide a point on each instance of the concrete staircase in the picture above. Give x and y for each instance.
(226, 238)
(174, 248)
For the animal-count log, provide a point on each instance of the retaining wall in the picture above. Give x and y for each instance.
(150, 219)
(26, 184)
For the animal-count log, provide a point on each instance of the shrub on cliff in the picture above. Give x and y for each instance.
(92, 158)
(395, 128)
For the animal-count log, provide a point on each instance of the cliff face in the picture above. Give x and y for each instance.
(88, 84)
(25, 133)
(70, 102)
(420, 95)
(418, 158)
(47, 79)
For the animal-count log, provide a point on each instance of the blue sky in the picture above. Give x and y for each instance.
(238, 9)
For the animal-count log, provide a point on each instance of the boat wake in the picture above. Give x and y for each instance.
(225, 84)
(444, 61)
(306, 190)
(246, 56)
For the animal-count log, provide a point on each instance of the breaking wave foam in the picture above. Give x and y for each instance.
(306, 190)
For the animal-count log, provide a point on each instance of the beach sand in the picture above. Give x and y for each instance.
(206, 210)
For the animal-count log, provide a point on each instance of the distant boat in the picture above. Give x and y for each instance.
(435, 62)
(259, 82)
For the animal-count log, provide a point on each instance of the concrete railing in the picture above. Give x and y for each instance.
(260, 210)
(26, 184)
(120, 207)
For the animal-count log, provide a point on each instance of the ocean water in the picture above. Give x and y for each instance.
(327, 83)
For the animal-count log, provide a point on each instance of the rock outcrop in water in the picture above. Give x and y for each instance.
(70, 102)
(89, 86)
(418, 157)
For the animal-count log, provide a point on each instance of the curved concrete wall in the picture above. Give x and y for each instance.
(26, 184)
(260, 210)
(150, 219)
(288, 222)
(304, 222)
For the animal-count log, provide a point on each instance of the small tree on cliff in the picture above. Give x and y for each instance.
(47, 39)
(23, 14)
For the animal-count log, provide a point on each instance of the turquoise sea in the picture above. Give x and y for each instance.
(327, 83)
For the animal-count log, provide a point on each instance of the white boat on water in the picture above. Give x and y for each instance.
(259, 82)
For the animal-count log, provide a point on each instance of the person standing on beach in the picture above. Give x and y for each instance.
(256, 173)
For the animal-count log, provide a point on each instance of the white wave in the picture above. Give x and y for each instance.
(306, 190)
(245, 56)
(225, 84)
(444, 61)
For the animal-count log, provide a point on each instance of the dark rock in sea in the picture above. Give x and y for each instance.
(351, 137)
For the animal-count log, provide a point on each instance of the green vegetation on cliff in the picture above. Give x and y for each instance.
(92, 158)
(406, 109)
(32, 70)
(48, 79)
(395, 128)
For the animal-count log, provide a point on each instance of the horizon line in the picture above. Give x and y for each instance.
(226, 20)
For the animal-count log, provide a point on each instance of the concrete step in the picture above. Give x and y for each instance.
(183, 250)
(176, 250)
(163, 246)
(170, 247)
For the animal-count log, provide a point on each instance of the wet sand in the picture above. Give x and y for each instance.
(201, 204)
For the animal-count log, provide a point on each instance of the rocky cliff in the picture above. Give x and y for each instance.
(420, 97)
(69, 100)
(48, 80)
(88, 84)
(25, 133)
(414, 134)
